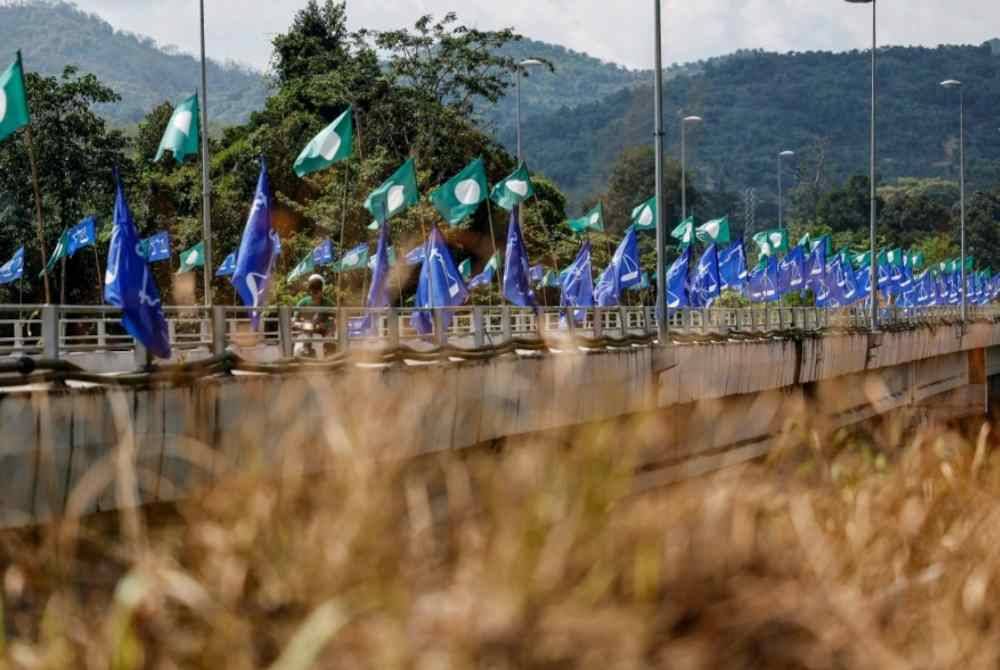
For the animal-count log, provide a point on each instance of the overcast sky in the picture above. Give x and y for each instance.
(613, 30)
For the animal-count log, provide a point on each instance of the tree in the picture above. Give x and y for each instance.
(849, 207)
(982, 228)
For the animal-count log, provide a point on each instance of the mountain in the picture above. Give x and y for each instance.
(52, 35)
(756, 104)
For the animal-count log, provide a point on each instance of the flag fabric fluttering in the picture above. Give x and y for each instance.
(305, 268)
(333, 144)
(257, 252)
(644, 215)
(156, 247)
(536, 273)
(678, 281)
(182, 134)
(465, 268)
(592, 220)
(378, 292)
(516, 272)
(396, 193)
(440, 284)
(578, 285)
(733, 268)
(323, 253)
(714, 232)
(707, 285)
(485, 278)
(763, 283)
(551, 279)
(684, 233)
(392, 259)
(415, 256)
(622, 273)
(83, 234)
(459, 197)
(13, 269)
(514, 189)
(130, 286)
(353, 259)
(192, 258)
(792, 271)
(771, 242)
(228, 266)
(13, 99)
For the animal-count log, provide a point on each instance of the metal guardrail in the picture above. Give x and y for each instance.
(58, 331)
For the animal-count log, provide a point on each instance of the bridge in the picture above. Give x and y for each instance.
(75, 391)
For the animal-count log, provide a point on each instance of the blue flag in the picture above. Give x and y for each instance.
(578, 283)
(707, 285)
(415, 256)
(516, 274)
(228, 266)
(81, 235)
(157, 247)
(733, 267)
(323, 254)
(440, 284)
(677, 281)
(257, 251)
(622, 273)
(536, 273)
(13, 269)
(129, 285)
(764, 281)
(792, 271)
(378, 294)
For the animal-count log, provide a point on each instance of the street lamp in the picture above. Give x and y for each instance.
(692, 120)
(871, 179)
(951, 84)
(521, 67)
(781, 194)
(661, 232)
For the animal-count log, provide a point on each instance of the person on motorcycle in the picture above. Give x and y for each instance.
(321, 322)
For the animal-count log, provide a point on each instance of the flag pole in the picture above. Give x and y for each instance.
(343, 225)
(62, 281)
(496, 252)
(206, 187)
(38, 206)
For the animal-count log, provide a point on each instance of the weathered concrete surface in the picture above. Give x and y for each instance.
(62, 448)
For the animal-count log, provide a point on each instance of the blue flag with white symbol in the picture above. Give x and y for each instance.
(323, 254)
(440, 284)
(228, 266)
(130, 286)
(157, 247)
(516, 273)
(257, 251)
(733, 267)
(415, 256)
(764, 281)
(677, 281)
(13, 269)
(81, 235)
(792, 271)
(622, 273)
(378, 294)
(707, 286)
(536, 273)
(578, 284)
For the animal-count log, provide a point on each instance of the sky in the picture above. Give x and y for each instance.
(612, 30)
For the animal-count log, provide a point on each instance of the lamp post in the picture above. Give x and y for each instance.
(871, 233)
(206, 186)
(952, 84)
(687, 120)
(781, 191)
(661, 233)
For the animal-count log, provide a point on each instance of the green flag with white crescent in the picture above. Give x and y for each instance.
(513, 190)
(13, 99)
(395, 194)
(459, 197)
(684, 232)
(592, 220)
(771, 242)
(60, 252)
(715, 231)
(333, 144)
(305, 267)
(181, 135)
(644, 215)
(465, 268)
(192, 258)
(354, 259)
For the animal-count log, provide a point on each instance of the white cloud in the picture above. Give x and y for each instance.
(614, 30)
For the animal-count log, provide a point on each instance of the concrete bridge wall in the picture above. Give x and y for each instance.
(57, 441)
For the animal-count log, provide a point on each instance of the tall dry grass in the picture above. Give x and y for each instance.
(869, 550)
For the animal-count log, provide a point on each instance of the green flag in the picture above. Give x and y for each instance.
(459, 197)
(181, 135)
(513, 190)
(715, 231)
(917, 260)
(192, 258)
(771, 242)
(592, 220)
(304, 268)
(806, 243)
(395, 194)
(644, 216)
(684, 232)
(13, 99)
(333, 144)
(60, 252)
(551, 279)
(465, 267)
(355, 259)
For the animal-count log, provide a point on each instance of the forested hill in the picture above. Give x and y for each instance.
(52, 35)
(756, 104)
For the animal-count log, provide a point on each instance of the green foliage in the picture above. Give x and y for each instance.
(54, 34)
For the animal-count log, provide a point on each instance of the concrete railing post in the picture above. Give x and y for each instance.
(392, 327)
(343, 342)
(50, 332)
(506, 326)
(440, 331)
(478, 327)
(598, 323)
(204, 330)
(218, 330)
(623, 321)
(285, 341)
(141, 355)
(18, 335)
(102, 332)
(171, 331)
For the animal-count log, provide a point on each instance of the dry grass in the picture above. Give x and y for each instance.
(835, 554)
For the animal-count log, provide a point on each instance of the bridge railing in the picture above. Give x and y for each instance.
(94, 337)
